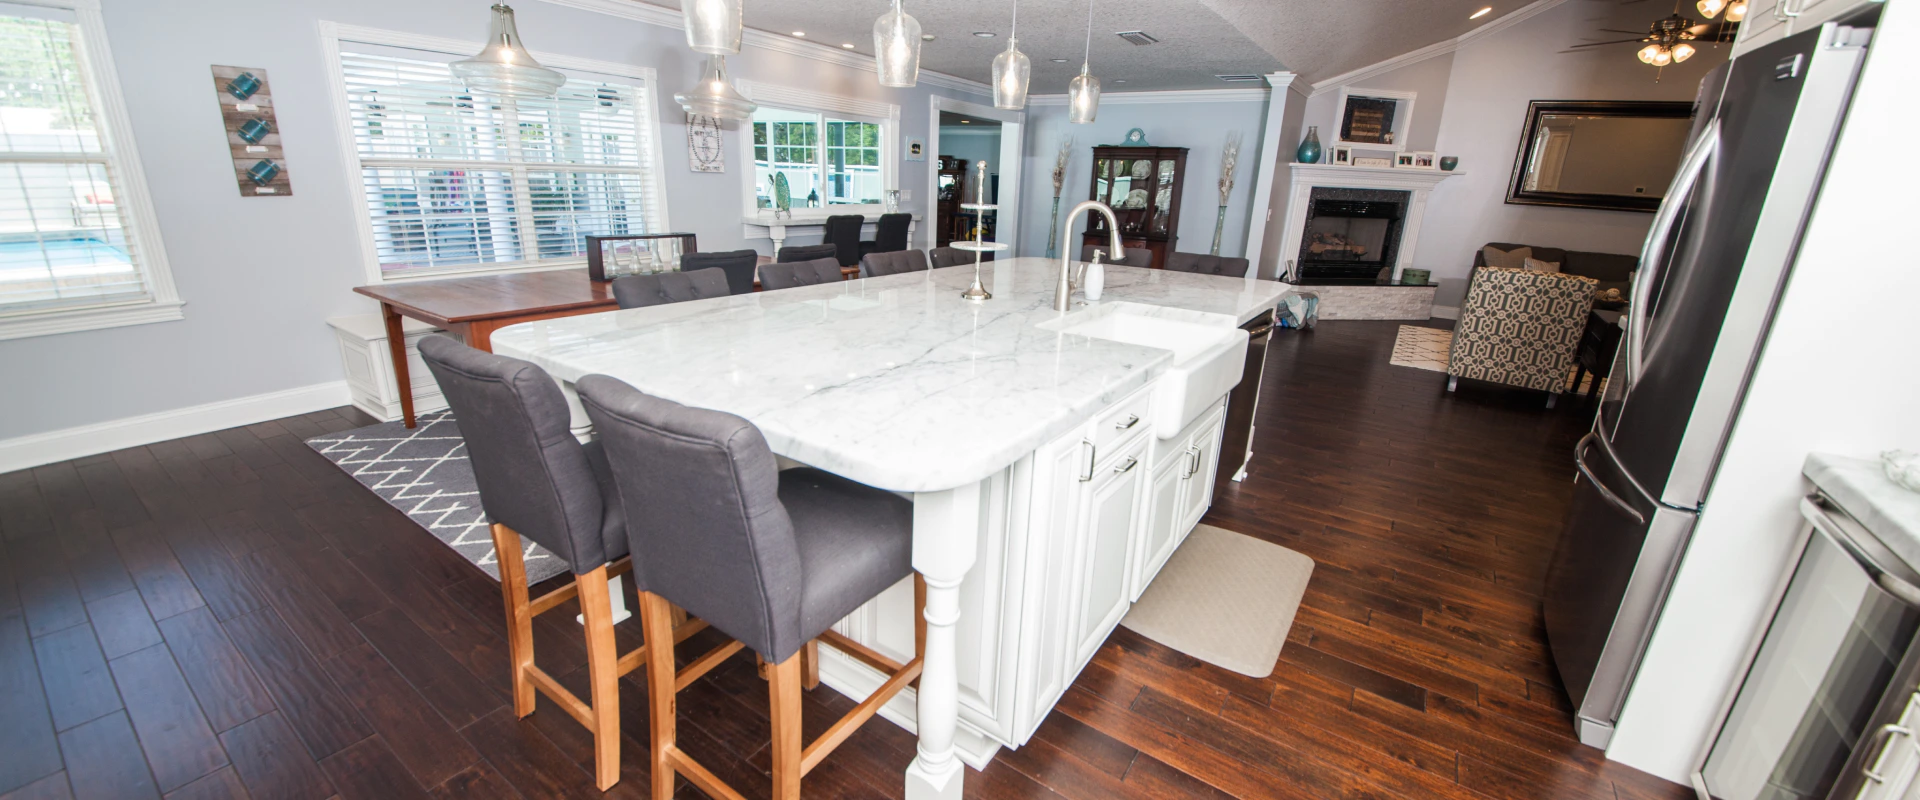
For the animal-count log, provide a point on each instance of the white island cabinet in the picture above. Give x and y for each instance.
(1055, 460)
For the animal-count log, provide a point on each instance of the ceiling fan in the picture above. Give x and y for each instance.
(1669, 40)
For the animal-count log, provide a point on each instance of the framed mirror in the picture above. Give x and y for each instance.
(1599, 154)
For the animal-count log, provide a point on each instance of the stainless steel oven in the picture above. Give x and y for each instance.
(1830, 706)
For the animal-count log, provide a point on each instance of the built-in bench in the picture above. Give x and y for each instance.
(368, 362)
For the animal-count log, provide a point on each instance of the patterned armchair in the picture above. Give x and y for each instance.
(1521, 328)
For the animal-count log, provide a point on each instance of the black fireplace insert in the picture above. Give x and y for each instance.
(1352, 236)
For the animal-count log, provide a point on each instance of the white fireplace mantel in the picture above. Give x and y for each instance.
(1418, 183)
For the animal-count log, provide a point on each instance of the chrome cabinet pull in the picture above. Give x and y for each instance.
(1123, 468)
(1193, 461)
(1086, 473)
(1132, 420)
(1782, 12)
(1887, 731)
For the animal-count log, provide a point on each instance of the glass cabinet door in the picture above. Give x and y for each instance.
(1163, 197)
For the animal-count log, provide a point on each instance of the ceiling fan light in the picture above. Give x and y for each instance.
(1737, 10)
(713, 26)
(896, 48)
(1647, 53)
(1682, 52)
(505, 68)
(1011, 72)
(1709, 8)
(1662, 57)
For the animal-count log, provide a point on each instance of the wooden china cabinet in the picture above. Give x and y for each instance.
(1142, 186)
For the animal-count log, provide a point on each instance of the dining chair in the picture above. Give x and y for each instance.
(889, 234)
(738, 265)
(874, 265)
(1204, 264)
(1134, 256)
(768, 557)
(943, 257)
(808, 252)
(538, 482)
(843, 232)
(800, 273)
(660, 288)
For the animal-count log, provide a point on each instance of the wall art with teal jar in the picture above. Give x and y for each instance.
(253, 134)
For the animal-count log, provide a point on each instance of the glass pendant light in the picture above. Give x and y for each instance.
(1083, 93)
(713, 95)
(1736, 10)
(1682, 52)
(896, 48)
(505, 68)
(1011, 70)
(1709, 8)
(713, 26)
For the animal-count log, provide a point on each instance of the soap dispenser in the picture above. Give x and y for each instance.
(1095, 281)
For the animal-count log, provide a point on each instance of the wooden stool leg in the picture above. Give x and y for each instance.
(656, 624)
(784, 691)
(810, 665)
(513, 589)
(603, 670)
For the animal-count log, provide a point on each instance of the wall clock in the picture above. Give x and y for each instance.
(704, 151)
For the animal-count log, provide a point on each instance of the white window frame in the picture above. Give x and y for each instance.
(646, 123)
(852, 109)
(129, 181)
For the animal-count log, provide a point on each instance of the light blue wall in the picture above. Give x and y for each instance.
(261, 275)
(1200, 126)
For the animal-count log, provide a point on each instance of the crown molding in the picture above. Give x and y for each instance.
(1155, 98)
(670, 18)
(1289, 81)
(1523, 14)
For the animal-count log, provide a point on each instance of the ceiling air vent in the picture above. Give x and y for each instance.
(1136, 37)
(1238, 78)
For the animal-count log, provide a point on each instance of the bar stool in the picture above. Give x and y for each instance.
(661, 288)
(874, 265)
(771, 558)
(774, 277)
(537, 481)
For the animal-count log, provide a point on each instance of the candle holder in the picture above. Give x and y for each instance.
(980, 208)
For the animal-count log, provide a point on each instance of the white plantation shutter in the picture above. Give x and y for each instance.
(457, 181)
(64, 240)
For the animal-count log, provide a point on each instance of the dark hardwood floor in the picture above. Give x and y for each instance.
(228, 615)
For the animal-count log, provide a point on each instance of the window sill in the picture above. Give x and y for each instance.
(88, 318)
(381, 279)
(818, 217)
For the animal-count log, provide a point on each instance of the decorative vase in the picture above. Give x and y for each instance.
(1219, 222)
(893, 201)
(1053, 226)
(1309, 152)
(1449, 162)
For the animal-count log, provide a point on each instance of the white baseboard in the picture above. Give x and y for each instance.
(1446, 312)
(103, 437)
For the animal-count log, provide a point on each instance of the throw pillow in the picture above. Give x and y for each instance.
(1539, 266)
(1508, 259)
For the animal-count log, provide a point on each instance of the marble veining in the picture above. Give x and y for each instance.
(896, 381)
(1860, 486)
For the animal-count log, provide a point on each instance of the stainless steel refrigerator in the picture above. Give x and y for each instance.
(1716, 257)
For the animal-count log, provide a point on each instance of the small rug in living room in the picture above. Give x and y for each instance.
(425, 473)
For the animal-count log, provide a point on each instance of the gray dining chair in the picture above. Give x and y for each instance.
(738, 265)
(799, 273)
(1134, 257)
(660, 288)
(1205, 264)
(807, 252)
(943, 257)
(770, 558)
(874, 265)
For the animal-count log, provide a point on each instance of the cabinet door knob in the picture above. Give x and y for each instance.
(1131, 463)
(1132, 420)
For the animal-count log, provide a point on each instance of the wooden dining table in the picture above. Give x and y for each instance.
(475, 307)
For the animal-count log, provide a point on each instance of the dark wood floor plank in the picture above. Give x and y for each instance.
(225, 685)
(431, 750)
(313, 708)
(180, 746)
(478, 782)
(78, 685)
(92, 559)
(455, 692)
(370, 771)
(221, 582)
(108, 762)
(111, 493)
(47, 595)
(271, 762)
(52, 787)
(530, 763)
(223, 784)
(123, 624)
(26, 727)
(285, 584)
(163, 584)
(23, 512)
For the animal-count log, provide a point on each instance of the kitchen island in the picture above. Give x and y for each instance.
(1054, 459)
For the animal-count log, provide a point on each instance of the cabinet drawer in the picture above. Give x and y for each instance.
(1124, 419)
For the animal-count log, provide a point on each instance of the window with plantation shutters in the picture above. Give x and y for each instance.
(458, 182)
(67, 241)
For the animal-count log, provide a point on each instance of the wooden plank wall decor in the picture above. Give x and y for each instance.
(246, 113)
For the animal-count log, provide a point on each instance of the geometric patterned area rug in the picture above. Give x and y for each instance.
(1428, 348)
(424, 472)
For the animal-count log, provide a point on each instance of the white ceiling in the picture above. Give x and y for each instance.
(1323, 38)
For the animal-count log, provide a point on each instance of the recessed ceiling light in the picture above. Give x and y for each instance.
(984, 34)
(1481, 13)
(926, 37)
(1059, 61)
(801, 34)
(966, 122)
(1121, 80)
(846, 45)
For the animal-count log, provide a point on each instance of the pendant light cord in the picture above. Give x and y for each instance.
(1086, 58)
(1015, 35)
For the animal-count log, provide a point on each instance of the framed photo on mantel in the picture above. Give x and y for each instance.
(253, 133)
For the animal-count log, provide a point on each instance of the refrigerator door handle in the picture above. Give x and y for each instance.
(1656, 247)
(1580, 462)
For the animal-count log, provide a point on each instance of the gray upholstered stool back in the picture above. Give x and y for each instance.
(874, 265)
(890, 233)
(660, 288)
(843, 232)
(534, 477)
(807, 252)
(1207, 264)
(737, 264)
(943, 257)
(800, 273)
(1135, 257)
(715, 540)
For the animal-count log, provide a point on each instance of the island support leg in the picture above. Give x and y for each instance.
(946, 532)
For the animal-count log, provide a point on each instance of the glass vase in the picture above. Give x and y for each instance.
(1309, 152)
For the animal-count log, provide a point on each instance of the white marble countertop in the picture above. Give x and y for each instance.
(896, 381)
(1860, 486)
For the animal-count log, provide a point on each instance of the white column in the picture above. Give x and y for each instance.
(946, 532)
(1271, 158)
